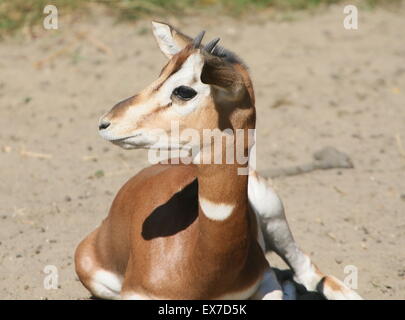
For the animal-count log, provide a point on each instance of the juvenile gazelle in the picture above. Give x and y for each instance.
(197, 230)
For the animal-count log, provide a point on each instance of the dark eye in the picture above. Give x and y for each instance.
(184, 93)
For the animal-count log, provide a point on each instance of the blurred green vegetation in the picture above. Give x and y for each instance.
(16, 14)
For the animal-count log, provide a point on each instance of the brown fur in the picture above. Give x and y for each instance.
(121, 107)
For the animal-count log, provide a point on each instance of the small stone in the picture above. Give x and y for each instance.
(38, 250)
(68, 199)
(365, 230)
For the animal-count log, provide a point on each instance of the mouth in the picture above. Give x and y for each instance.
(136, 141)
(124, 142)
(142, 141)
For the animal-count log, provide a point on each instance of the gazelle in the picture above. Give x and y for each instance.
(198, 230)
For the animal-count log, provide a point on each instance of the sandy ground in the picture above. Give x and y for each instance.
(317, 84)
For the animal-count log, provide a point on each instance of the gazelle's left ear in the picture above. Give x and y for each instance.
(170, 40)
(222, 74)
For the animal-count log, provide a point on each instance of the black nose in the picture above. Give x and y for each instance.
(104, 125)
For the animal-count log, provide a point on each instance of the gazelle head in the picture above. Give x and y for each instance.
(201, 87)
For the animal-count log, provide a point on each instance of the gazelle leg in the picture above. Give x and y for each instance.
(100, 282)
(277, 237)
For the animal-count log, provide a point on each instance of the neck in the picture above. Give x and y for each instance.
(224, 220)
(224, 224)
(223, 176)
(222, 192)
(223, 205)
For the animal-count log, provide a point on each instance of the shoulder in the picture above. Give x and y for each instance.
(159, 181)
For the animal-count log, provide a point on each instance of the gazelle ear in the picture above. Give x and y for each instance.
(170, 40)
(222, 74)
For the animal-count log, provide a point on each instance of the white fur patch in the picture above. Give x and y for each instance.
(260, 238)
(263, 198)
(106, 285)
(266, 204)
(216, 211)
(305, 272)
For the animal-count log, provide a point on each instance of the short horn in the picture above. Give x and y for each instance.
(210, 46)
(197, 40)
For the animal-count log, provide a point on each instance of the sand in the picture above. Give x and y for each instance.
(316, 84)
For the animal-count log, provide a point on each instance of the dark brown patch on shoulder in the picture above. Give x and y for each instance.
(162, 222)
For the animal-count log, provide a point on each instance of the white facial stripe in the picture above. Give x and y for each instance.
(216, 211)
(188, 75)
